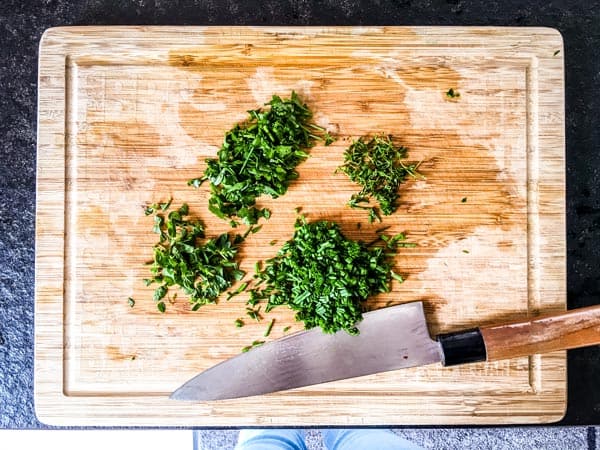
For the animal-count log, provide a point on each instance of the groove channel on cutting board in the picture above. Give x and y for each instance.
(144, 137)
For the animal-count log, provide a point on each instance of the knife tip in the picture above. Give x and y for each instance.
(177, 395)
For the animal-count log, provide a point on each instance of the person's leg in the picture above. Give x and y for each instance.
(271, 439)
(365, 439)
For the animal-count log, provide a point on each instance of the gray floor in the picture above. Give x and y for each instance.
(536, 438)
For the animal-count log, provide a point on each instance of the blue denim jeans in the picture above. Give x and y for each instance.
(334, 439)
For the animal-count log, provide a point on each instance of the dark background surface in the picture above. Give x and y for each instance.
(23, 22)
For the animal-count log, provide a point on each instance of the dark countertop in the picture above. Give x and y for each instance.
(22, 24)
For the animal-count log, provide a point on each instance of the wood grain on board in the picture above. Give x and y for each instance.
(128, 114)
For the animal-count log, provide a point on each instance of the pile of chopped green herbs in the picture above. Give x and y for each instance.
(203, 269)
(325, 277)
(260, 157)
(377, 166)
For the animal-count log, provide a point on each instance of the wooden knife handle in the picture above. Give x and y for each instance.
(542, 334)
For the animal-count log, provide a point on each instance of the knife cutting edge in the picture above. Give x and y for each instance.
(390, 338)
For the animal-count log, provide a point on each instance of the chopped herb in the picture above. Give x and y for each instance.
(131, 302)
(154, 207)
(238, 291)
(251, 346)
(269, 328)
(254, 313)
(196, 182)
(286, 329)
(465, 251)
(160, 292)
(161, 307)
(203, 270)
(377, 167)
(556, 52)
(464, 200)
(260, 157)
(273, 242)
(325, 277)
(374, 215)
(388, 303)
(452, 93)
(253, 299)
(358, 225)
(239, 323)
(396, 277)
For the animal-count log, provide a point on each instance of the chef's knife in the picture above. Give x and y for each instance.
(390, 338)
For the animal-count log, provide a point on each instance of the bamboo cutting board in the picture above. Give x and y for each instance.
(128, 114)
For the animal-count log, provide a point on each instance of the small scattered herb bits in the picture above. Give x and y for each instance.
(239, 323)
(254, 344)
(269, 328)
(254, 313)
(376, 165)
(451, 93)
(259, 157)
(131, 302)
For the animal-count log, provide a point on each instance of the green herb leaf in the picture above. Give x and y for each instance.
(131, 302)
(286, 329)
(464, 200)
(160, 292)
(239, 323)
(161, 307)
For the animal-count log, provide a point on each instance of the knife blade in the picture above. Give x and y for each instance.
(390, 338)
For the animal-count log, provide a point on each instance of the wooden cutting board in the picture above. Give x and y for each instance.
(128, 114)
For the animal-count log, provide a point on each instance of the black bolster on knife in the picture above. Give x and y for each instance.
(462, 347)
